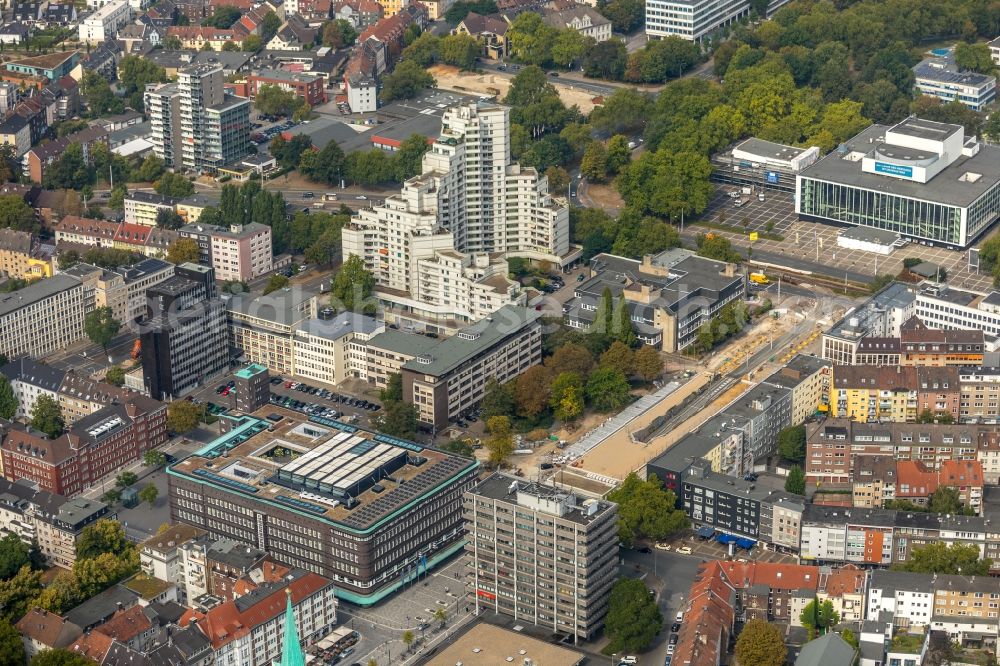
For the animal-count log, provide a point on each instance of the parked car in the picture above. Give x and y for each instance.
(684, 550)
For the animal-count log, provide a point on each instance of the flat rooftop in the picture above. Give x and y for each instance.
(769, 149)
(946, 187)
(37, 291)
(544, 498)
(321, 468)
(489, 645)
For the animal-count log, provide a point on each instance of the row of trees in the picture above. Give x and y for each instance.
(458, 50)
(75, 172)
(329, 166)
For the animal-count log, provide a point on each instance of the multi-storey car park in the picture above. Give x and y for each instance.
(367, 510)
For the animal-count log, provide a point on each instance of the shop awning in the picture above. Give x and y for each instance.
(705, 532)
(725, 538)
(746, 544)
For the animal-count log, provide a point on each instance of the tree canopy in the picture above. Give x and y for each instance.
(646, 510)
(633, 619)
(47, 416)
(761, 644)
(183, 416)
(942, 558)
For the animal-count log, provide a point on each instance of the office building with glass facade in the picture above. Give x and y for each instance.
(923, 180)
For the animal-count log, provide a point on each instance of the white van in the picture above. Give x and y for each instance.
(629, 660)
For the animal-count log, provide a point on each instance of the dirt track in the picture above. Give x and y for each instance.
(479, 83)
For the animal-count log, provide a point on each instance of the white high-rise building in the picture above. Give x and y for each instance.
(438, 249)
(195, 124)
(694, 19)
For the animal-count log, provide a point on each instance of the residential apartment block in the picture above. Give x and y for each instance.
(161, 557)
(881, 316)
(195, 123)
(42, 317)
(250, 630)
(371, 533)
(105, 22)
(238, 253)
(918, 345)
(436, 249)
(21, 256)
(53, 520)
(541, 554)
(308, 87)
(899, 393)
(143, 207)
(451, 377)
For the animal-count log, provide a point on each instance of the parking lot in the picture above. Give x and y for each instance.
(806, 244)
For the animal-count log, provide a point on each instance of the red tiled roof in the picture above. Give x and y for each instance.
(961, 473)
(846, 580)
(772, 574)
(226, 623)
(913, 479)
(708, 619)
(93, 645)
(83, 225)
(125, 625)
(47, 628)
(135, 234)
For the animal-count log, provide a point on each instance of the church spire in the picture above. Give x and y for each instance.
(291, 649)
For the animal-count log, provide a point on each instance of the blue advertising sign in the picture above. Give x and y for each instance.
(772, 177)
(894, 169)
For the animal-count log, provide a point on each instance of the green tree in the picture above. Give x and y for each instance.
(459, 447)
(252, 43)
(459, 50)
(606, 60)
(16, 214)
(460, 9)
(272, 23)
(149, 494)
(423, 50)
(410, 155)
(623, 330)
(595, 162)
(154, 458)
(717, 247)
(618, 356)
(183, 416)
(276, 282)
(289, 153)
(399, 419)
(558, 179)
(59, 657)
(607, 389)
(101, 100)
(974, 57)
(619, 154)
(8, 399)
(104, 536)
(47, 417)
(761, 644)
(101, 326)
(647, 362)
(531, 391)
(352, 286)
(500, 443)
(174, 185)
(273, 100)
(325, 166)
(569, 46)
(126, 479)
(11, 646)
(531, 39)
(819, 616)
(223, 17)
(408, 639)
(646, 510)
(183, 250)
(796, 481)
(19, 591)
(393, 391)
(498, 399)
(405, 82)
(625, 15)
(946, 499)
(151, 169)
(115, 376)
(339, 33)
(792, 443)
(850, 638)
(135, 73)
(940, 558)
(112, 496)
(566, 396)
(633, 619)
(535, 103)
(13, 556)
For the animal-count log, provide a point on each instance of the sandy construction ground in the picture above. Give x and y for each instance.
(479, 83)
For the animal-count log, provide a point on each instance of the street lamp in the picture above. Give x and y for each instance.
(614, 655)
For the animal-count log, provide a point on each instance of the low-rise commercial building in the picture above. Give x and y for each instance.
(451, 377)
(367, 510)
(556, 569)
(881, 316)
(238, 253)
(332, 350)
(941, 77)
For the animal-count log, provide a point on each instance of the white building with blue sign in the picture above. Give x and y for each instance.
(762, 163)
(924, 180)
